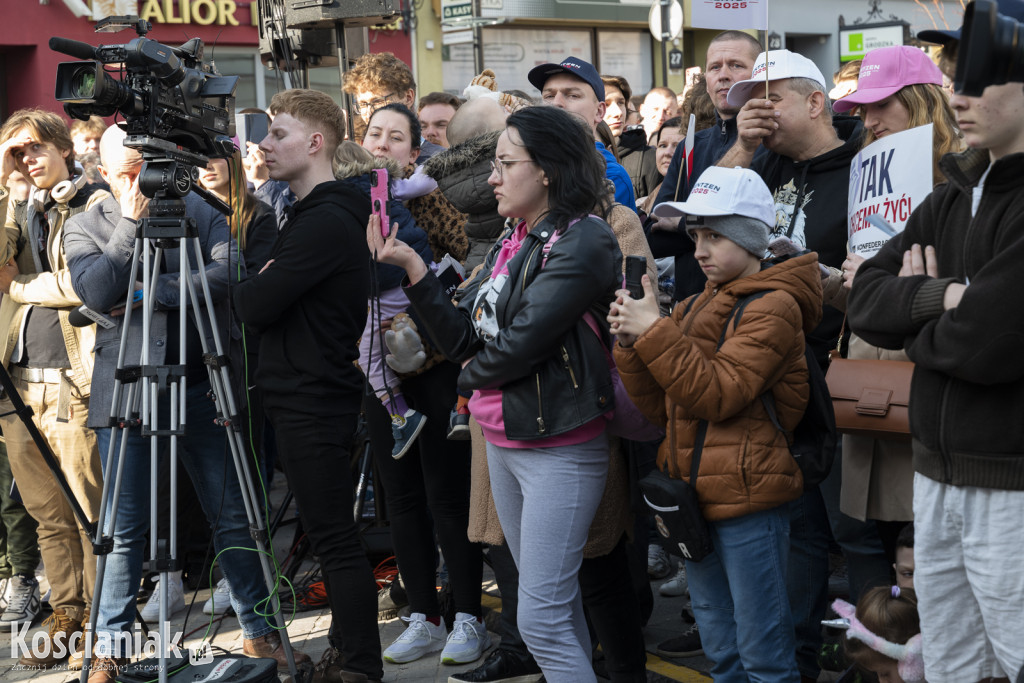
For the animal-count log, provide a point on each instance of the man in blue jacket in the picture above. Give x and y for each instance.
(99, 245)
(575, 85)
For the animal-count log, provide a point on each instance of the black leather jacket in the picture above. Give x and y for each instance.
(551, 368)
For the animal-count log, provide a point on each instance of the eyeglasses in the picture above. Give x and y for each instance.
(373, 105)
(498, 165)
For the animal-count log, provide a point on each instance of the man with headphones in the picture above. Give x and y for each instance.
(50, 362)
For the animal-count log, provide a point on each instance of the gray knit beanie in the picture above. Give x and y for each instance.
(750, 233)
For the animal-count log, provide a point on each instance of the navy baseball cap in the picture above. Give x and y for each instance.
(570, 65)
(1008, 8)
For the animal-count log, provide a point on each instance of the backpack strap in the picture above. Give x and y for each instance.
(702, 427)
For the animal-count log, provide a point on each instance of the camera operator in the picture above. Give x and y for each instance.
(99, 246)
(50, 363)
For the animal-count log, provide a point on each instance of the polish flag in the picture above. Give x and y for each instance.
(688, 148)
(729, 14)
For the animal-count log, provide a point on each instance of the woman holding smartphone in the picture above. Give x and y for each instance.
(538, 373)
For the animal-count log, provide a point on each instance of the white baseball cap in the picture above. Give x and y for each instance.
(780, 64)
(724, 191)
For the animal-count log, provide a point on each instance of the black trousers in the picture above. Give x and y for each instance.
(314, 451)
(427, 491)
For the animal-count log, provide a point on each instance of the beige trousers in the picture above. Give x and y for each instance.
(65, 547)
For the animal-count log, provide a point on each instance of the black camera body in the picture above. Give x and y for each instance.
(991, 50)
(167, 93)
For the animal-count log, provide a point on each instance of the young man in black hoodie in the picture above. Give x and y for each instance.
(808, 171)
(309, 304)
(947, 290)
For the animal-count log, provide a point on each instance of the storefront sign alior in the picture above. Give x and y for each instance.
(857, 40)
(203, 12)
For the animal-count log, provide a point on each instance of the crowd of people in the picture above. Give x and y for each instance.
(490, 406)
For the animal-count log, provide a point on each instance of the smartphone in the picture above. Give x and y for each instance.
(379, 199)
(636, 266)
(251, 128)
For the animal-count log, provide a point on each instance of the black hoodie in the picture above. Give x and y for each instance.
(310, 304)
(810, 208)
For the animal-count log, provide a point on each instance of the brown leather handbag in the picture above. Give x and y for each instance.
(870, 397)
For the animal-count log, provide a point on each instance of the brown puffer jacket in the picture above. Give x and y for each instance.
(676, 378)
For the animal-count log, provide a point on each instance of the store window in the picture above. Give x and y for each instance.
(257, 84)
(512, 52)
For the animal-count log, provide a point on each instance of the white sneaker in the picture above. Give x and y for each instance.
(468, 640)
(420, 638)
(175, 598)
(22, 603)
(675, 586)
(220, 599)
(5, 593)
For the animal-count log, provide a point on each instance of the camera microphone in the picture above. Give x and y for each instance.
(74, 48)
(83, 316)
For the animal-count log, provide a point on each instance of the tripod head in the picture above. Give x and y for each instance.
(168, 174)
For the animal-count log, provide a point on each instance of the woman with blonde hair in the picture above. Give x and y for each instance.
(899, 88)
(225, 180)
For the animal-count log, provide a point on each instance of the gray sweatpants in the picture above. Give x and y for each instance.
(546, 499)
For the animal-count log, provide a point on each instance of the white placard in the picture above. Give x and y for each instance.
(888, 180)
(729, 15)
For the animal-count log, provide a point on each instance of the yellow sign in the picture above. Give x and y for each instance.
(203, 12)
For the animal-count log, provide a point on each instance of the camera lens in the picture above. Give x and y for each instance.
(83, 83)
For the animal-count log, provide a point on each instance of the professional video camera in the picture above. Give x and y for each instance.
(991, 50)
(175, 106)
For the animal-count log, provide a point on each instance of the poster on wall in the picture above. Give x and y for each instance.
(511, 53)
(887, 183)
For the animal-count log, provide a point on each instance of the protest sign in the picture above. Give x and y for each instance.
(888, 180)
(729, 15)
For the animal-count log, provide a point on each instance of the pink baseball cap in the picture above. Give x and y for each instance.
(885, 72)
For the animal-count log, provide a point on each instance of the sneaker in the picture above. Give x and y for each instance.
(468, 640)
(458, 426)
(5, 593)
(175, 598)
(658, 564)
(420, 638)
(686, 645)
(675, 586)
(501, 665)
(22, 601)
(405, 429)
(59, 631)
(220, 599)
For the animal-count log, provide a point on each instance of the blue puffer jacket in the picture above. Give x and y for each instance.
(391, 276)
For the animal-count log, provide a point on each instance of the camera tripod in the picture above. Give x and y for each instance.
(139, 390)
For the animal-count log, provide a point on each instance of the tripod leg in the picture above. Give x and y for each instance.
(220, 384)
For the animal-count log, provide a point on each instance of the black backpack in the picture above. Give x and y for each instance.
(813, 440)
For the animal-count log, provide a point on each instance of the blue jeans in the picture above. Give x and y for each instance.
(739, 598)
(204, 453)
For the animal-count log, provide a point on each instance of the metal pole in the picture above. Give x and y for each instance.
(478, 45)
(346, 101)
(666, 35)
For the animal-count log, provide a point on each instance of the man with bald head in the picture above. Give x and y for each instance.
(99, 245)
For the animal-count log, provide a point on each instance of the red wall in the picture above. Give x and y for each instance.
(31, 65)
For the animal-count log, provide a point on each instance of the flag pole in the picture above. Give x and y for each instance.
(766, 50)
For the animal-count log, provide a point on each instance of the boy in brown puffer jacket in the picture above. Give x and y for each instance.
(678, 377)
